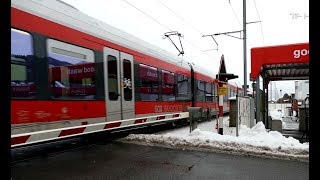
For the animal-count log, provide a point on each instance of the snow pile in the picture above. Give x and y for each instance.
(255, 141)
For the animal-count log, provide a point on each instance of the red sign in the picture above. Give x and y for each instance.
(283, 54)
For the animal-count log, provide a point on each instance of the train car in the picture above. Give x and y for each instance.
(72, 74)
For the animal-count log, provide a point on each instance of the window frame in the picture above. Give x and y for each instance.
(30, 35)
(67, 47)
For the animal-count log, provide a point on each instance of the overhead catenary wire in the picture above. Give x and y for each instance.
(189, 24)
(235, 14)
(163, 25)
(147, 15)
(238, 20)
(177, 15)
(255, 5)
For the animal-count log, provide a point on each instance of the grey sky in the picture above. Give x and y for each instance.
(282, 22)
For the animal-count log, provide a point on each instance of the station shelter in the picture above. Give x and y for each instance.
(276, 63)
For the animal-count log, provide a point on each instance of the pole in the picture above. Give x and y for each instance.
(217, 103)
(237, 117)
(258, 100)
(220, 124)
(192, 85)
(244, 48)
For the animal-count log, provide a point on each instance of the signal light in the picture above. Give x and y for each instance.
(225, 77)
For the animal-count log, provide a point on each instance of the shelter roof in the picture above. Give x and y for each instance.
(282, 62)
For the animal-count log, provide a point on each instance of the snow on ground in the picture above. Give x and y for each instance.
(255, 141)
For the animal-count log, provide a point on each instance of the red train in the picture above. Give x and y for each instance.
(72, 74)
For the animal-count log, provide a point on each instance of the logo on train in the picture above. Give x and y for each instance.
(127, 83)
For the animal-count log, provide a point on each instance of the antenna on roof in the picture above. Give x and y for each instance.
(168, 34)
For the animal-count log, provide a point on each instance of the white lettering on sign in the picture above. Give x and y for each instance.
(23, 115)
(63, 114)
(75, 71)
(300, 52)
(172, 108)
(151, 74)
(90, 69)
(82, 70)
(42, 114)
(21, 88)
(64, 110)
(78, 91)
(158, 108)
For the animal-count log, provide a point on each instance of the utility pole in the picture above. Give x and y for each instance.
(244, 48)
(244, 43)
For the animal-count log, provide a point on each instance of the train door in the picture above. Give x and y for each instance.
(127, 85)
(119, 85)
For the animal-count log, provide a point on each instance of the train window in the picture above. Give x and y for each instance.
(201, 91)
(149, 83)
(168, 88)
(127, 80)
(22, 72)
(71, 71)
(184, 87)
(113, 78)
(209, 95)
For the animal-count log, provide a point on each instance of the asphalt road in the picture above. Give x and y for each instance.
(115, 160)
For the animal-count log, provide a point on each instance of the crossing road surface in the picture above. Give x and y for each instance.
(121, 161)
